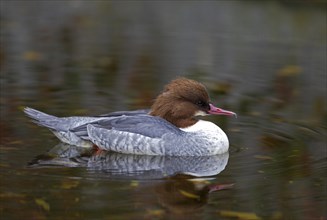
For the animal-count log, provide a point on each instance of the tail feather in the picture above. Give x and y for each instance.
(42, 119)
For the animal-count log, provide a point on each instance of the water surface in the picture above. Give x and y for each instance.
(264, 60)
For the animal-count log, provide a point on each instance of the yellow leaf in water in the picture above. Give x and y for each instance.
(43, 204)
(263, 157)
(4, 165)
(277, 215)
(15, 142)
(32, 56)
(11, 195)
(240, 215)
(155, 212)
(189, 195)
(289, 70)
(134, 183)
(69, 184)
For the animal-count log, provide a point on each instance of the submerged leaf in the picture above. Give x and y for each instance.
(289, 70)
(69, 184)
(32, 56)
(263, 157)
(42, 203)
(4, 165)
(134, 183)
(240, 215)
(12, 195)
(155, 212)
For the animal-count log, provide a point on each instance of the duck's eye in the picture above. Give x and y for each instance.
(201, 103)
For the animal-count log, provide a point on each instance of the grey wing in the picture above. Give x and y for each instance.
(130, 134)
(63, 127)
(63, 124)
(118, 131)
(153, 127)
(126, 113)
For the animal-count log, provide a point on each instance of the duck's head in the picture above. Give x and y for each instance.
(183, 99)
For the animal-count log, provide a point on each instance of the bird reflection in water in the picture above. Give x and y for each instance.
(180, 185)
(138, 166)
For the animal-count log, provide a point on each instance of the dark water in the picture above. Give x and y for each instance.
(264, 60)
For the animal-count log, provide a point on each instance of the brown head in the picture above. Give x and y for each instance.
(183, 99)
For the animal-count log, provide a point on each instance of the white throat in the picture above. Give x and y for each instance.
(202, 125)
(200, 113)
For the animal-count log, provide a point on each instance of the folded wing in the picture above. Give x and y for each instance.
(141, 134)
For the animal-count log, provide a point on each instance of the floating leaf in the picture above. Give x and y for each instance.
(32, 56)
(4, 165)
(42, 203)
(289, 70)
(189, 195)
(15, 142)
(7, 148)
(134, 183)
(222, 88)
(240, 215)
(277, 215)
(155, 212)
(69, 184)
(12, 195)
(263, 157)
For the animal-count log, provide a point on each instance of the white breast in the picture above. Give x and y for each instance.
(210, 134)
(203, 126)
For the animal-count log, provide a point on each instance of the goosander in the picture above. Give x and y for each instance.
(170, 127)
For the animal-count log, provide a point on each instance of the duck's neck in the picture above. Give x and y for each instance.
(180, 122)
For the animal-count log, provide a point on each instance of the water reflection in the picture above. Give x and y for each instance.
(125, 165)
(167, 186)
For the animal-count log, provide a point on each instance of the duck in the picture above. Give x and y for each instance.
(170, 127)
